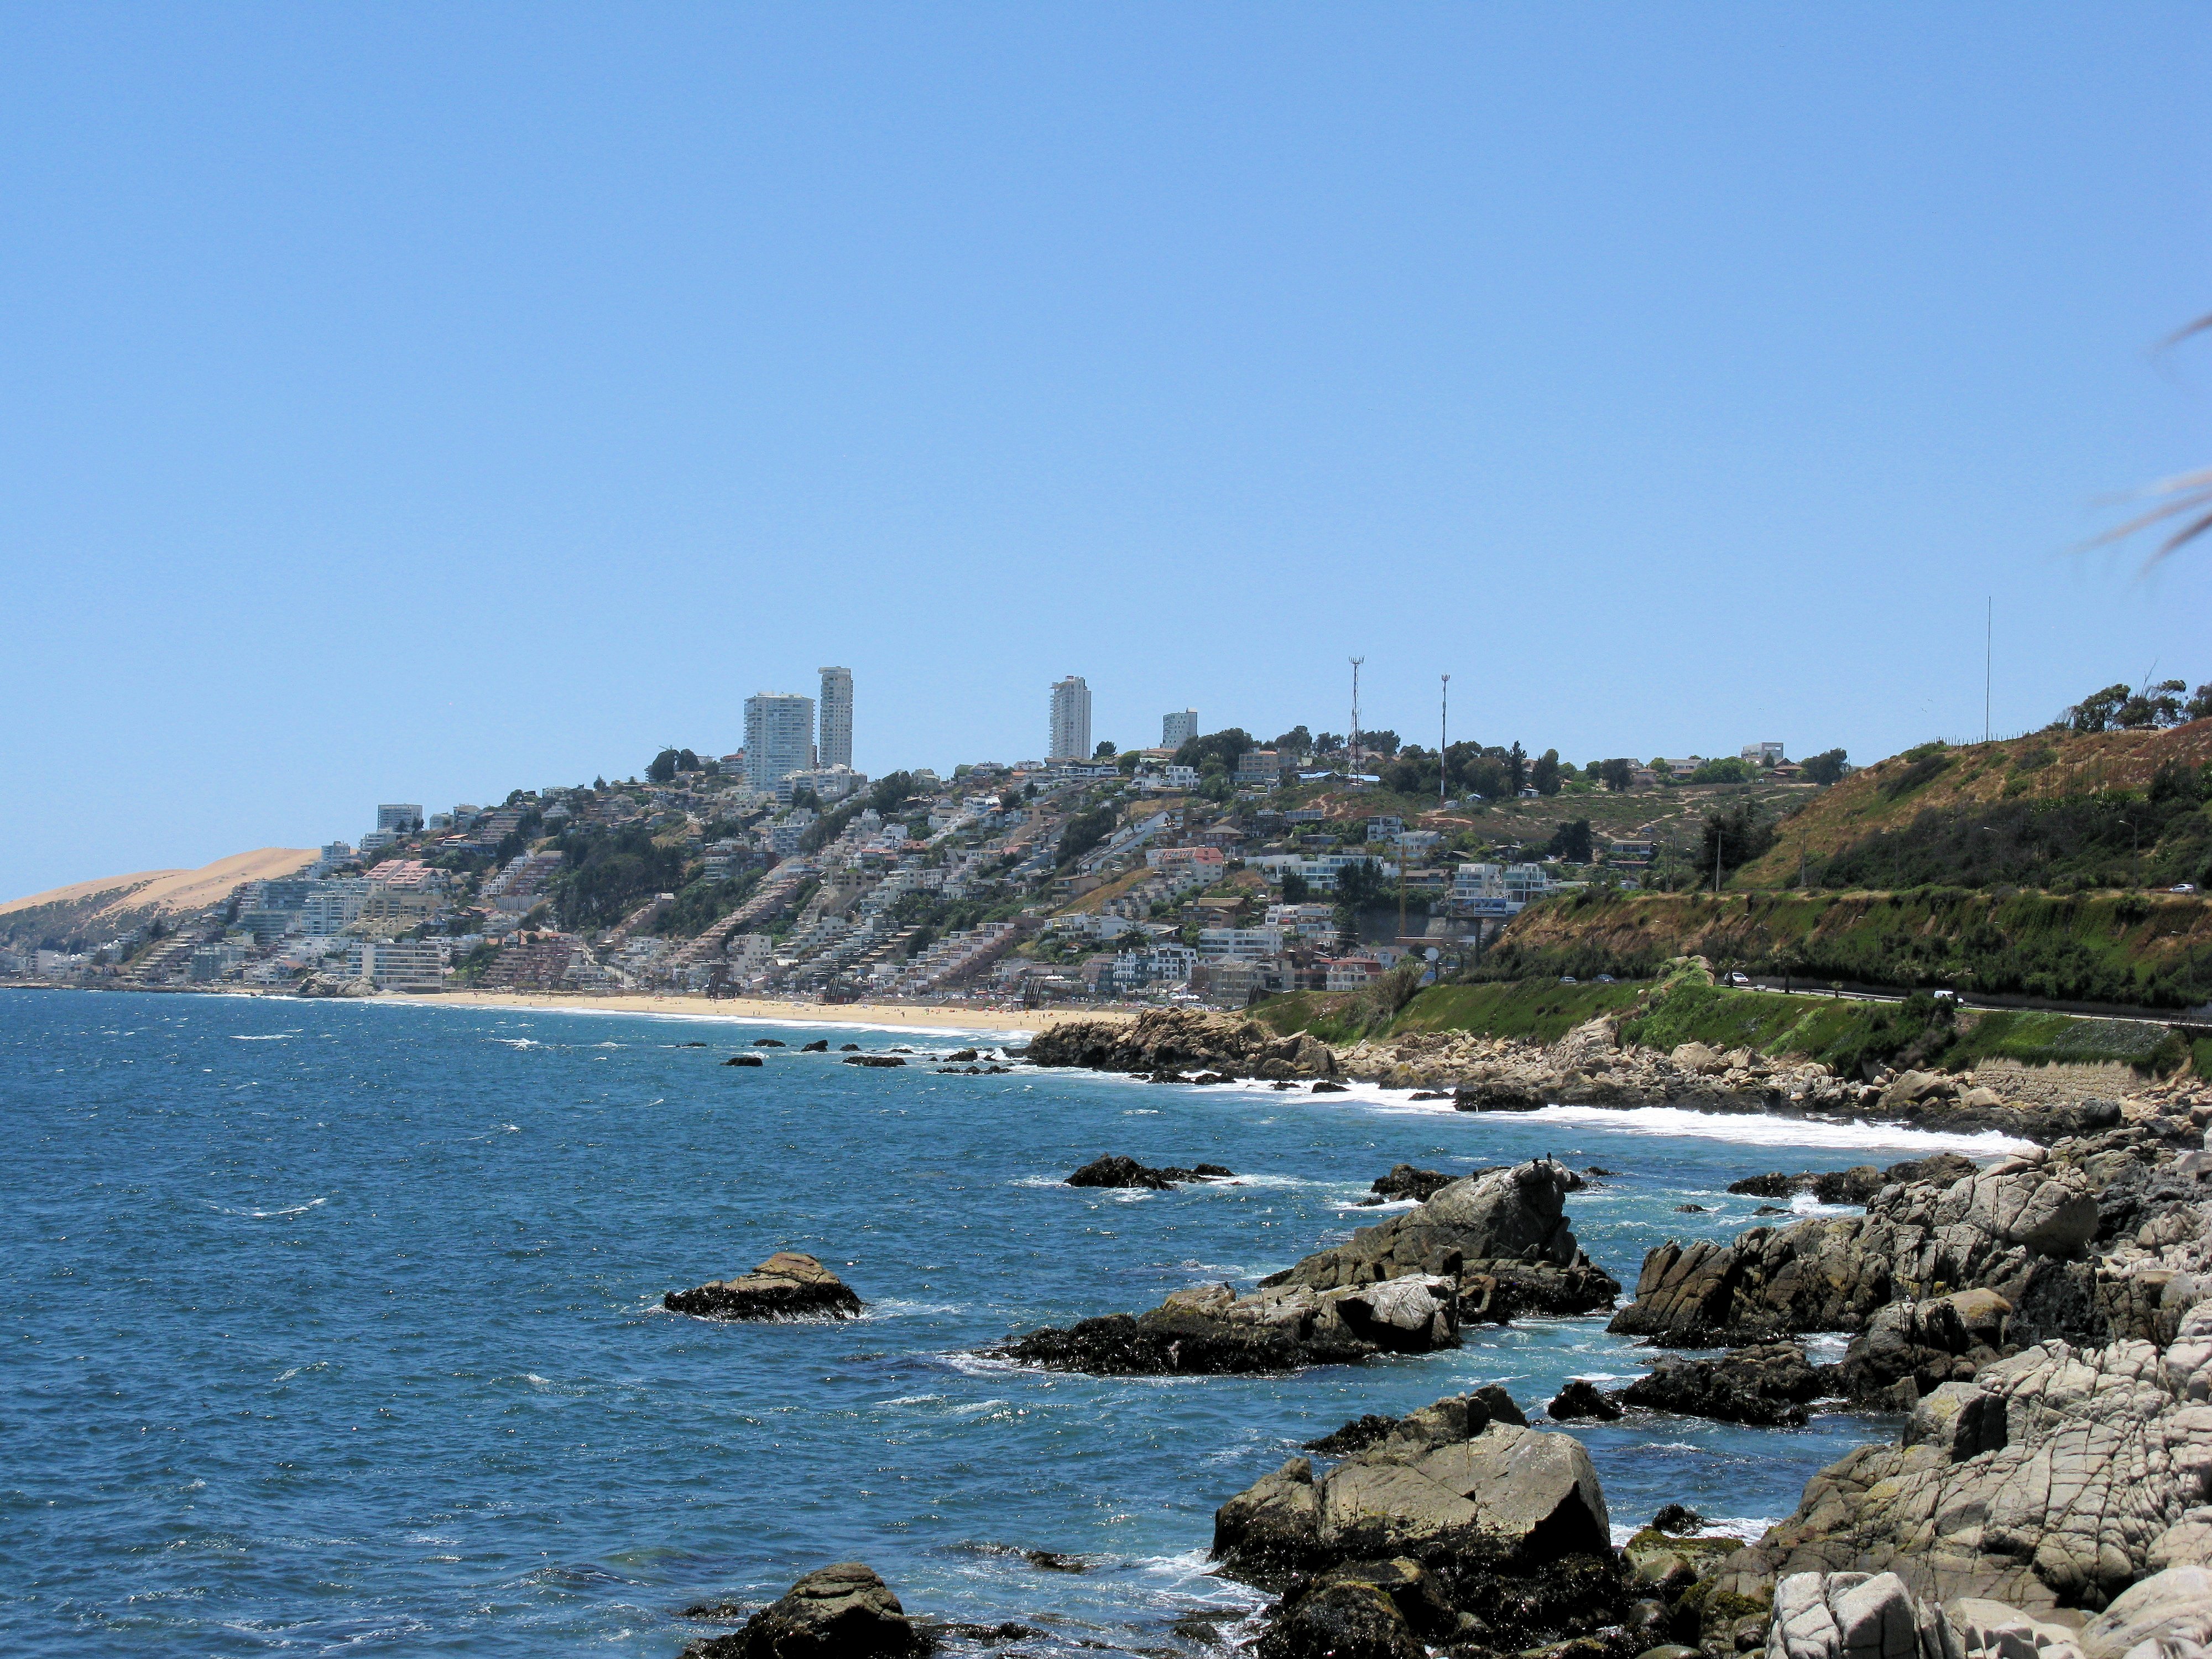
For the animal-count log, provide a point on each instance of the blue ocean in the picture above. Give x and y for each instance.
(336, 1326)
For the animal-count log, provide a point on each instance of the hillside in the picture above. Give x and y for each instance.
(2022, 811)
(111, 904)
(2152, 950)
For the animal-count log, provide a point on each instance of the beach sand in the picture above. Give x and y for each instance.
(881, 1014)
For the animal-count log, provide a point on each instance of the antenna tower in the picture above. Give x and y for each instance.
(1443, 740)
(1355, 662)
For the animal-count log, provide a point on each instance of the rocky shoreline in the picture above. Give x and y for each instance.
(2042, 1326)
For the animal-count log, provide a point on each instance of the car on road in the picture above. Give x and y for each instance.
(2182, 887)
(1740, 979)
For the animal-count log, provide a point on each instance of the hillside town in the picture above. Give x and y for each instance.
(1209, 868)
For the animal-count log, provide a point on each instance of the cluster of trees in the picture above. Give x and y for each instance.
(607, 873)
(668, 762)
(2125, 708)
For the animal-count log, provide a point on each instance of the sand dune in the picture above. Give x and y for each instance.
(168, 891)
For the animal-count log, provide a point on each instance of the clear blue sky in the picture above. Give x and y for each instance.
(412, 402)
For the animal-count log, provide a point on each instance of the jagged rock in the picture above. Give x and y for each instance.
(1676, 1518)
(876, 1061)
(1833, 1273)
(1404, 1180)
(1959, 1420)
(1343, 1614)
(1991, 1630)
(787, 1285)
(819, 1046)
(1173, 1039)
(770, 1043)
(1496, 1532)
(1858, 1184)
(1114, 1170)
(1766, 1386)
(1581, 1400)
(2105, 1453)
(744, 1060)
(961, 1056)
(1361, 1433)
(1910, 1349)
(841, 1612)
(1504, 1233)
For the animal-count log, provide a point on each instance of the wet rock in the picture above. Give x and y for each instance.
(787, 1285)
(1581, 1402)
(963, 1056)
(1404, 1180)
(841, 1612)
(1052, 1561)
(1358, 1612)
(877, 1060)
(819, 1046)
(1325, 1087)
(770, 1043)
(1356, 1436)
(1925, 1344)
(848, 1047)
(1677, 1518)
(1114, 1170)
(1859, 1184)
(1692, 1209)
(1766, 1386)
(1498, 1095)
(744, 1060)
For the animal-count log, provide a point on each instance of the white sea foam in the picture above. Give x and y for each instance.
(1759, 1129)
(268, 1215)
(271, 1036)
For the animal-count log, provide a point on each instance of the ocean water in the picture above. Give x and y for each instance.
(334, 1327)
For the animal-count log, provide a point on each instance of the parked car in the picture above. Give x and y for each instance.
(2182, 887)
(1740, 979)
(1602, 979)
(1567, 979)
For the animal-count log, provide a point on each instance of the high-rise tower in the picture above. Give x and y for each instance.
(1071, 719)
(779, 737)
(1179, 728)
(837, 744)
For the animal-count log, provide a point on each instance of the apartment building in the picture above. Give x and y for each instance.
(1071, 720)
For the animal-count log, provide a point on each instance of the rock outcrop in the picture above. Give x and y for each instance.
(1858, 1184)
(1173, 1040)
(1503, 1234)
(2056, 1478)
(1990, 1230)
(841, 1612)
(1490, 1246)
(787, 1285)
(1767, 1386)
(1114, 1170)
(1468, 1529)
(1405, 1181)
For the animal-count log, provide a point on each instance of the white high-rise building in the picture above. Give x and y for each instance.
(837, 744)
(779, 736)
(1178, 729)
(1071, 719)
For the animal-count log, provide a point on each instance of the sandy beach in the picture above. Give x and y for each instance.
(889, 1014)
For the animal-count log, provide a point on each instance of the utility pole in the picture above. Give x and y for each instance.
(1356, 661)
(1444, 741)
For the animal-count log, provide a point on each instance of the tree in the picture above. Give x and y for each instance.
(1378, 742)
(1734, 834)
(599, 784)
(1545, 774)
(1826, 767)
(892, 790)
(1226, 746)
(1617, 776)
(1326, 743)
(2099, 710)
(2158, 705)
(1104, 751)
(663, 769)
(1084, 831)
(1294, 890)
(806, 797)
(1571, 842)
(686, 761)
(1358, 884)
(1296, 741)
(2200, 705)
(1517, 767)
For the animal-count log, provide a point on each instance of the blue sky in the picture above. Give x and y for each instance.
(416, 403)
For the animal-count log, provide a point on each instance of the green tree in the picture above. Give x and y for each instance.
(663, 768)
(1359, 884)
(1226, 747)
(1826, 767)
(1617, 775)
(1299, 741)
(1545, 774)
(1735, 835)
(1084, 831)
(1571, 842)
(1104, 751)
(1516, 768)
(1295, 889)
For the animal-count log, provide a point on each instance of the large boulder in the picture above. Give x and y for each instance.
(1476, 1530)
(1858, 1184)
(841, 1612)
(1856, 1615)
(787, 1285)
(1990, 1229)
(2171, 1609)
(1910, 1349)
(1503, 1233)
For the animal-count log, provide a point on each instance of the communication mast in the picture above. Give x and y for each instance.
(1355, 661)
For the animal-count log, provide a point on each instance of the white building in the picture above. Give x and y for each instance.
(779, 737)
(398, 966)
(1240, 944)
(1071, 719)
(1178, 729)
(837, 746)
(1765, 754)
(401, 816)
